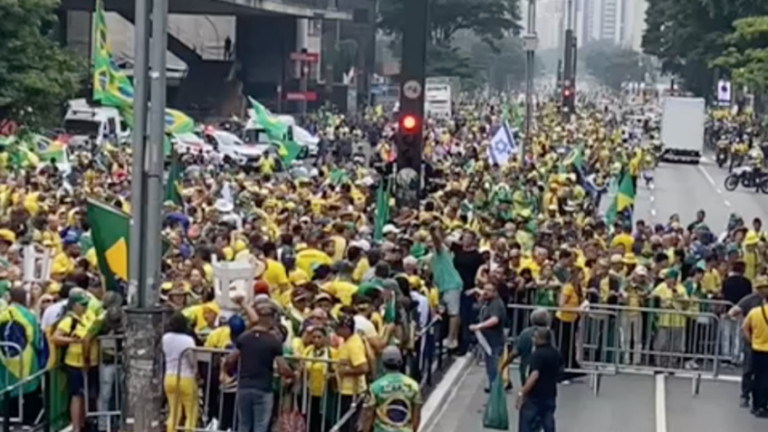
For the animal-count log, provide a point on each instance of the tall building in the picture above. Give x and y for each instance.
(635, 22)
(548, 22)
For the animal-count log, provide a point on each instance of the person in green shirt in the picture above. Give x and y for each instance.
(394, 401)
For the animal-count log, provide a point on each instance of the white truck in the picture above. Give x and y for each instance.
(85, 122)
(682, 129)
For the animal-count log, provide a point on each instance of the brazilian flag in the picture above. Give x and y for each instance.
(24, 348)
(110, 229)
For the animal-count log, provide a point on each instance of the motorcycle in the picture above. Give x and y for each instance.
(722, 153)
(748, 178)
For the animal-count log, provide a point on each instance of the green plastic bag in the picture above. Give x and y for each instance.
(496, 415)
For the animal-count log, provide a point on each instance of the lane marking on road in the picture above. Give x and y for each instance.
(727, 204)
(440, 399)
(709, 179)
(661, 403)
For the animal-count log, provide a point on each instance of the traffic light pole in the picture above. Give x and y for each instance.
(569, 63)
(412, 80)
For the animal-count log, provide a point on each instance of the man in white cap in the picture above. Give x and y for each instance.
(394, 400)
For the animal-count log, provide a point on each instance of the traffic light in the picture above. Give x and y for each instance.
(409, 125)
(568, 101)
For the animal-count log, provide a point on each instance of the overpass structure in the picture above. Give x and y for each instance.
(266, 33)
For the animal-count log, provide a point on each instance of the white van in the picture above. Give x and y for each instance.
(83, 122)
(252, 134)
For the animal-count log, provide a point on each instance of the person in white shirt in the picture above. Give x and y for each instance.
(55, 312)
(180, 383)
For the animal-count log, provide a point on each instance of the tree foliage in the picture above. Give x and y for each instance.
(612, 64)
(746, 55)
(504, 67)
(687, 36)
(36, 75)
(490, 20)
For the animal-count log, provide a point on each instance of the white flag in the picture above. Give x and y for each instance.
(503, 146)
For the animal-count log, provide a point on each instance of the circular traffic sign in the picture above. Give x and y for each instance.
(412, 89)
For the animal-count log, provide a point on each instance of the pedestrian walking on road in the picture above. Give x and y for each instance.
(537, 399)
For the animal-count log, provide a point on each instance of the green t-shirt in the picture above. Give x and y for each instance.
(444, 273)
(394, 398)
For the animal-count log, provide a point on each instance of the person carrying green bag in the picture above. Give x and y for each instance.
(536, 401)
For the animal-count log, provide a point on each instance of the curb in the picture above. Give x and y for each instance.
(443, 392)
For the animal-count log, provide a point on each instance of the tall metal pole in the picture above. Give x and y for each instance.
(143, 359)
(155, 152)
(140, 102)
(530, 42)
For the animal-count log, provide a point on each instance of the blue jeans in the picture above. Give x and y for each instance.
(536, 415)
(254, 409)
(492, 363)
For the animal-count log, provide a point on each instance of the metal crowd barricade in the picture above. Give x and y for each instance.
(42, 421)
(106, 406)
(585, 343)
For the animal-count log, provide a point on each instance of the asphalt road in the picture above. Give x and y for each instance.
(640, 403)
(625, 403)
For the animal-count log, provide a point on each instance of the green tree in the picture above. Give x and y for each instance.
(489, 20)
(36, 75)
(746, 56)
(502, 66)
(688, 35)
(612, 64)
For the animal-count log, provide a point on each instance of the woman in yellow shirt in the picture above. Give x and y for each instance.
(73, 334)
(567, 318)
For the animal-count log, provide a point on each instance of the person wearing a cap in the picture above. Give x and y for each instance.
(633, 295)
(670, 295)
(258, 351)
(394, 400)
(390, 233)
(756, 332)
(73, 333)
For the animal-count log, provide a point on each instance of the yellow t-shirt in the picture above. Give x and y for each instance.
(342, 290)
(310, 257)
(750, 265)
(353, 352)
(74, 327)
(275, 276)
(668, 301)
(572, 301)
(220, 338)
(62, 264)
(339, 247)
(317, 370)
(756, 318)
(711, 282)
(360, 269)
(624, 240)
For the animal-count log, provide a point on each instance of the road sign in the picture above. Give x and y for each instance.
(309, 96)
(412, 89)
(724, 92)
(305, 57)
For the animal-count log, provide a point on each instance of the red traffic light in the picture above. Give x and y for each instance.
(567, 92)
(409, 123)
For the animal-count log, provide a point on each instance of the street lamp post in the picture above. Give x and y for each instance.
(530, 42)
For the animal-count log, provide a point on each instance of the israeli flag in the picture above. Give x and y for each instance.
(503, 146)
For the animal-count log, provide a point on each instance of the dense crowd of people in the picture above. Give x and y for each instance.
(344, 303)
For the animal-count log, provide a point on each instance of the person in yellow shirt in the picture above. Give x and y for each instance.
(275, 274)
(567, 316)
(670, 295)
(311, 257)
(751, 256)
(352, 367)
(342, 286)
(317, 372)
(73, 333)
(339, 241)
(64, 261)
(755, 330)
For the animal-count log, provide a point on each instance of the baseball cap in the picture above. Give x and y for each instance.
(391, 356)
